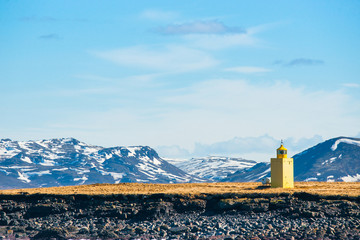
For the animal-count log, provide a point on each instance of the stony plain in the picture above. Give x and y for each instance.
(183, 211)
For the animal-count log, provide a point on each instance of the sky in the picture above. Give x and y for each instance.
(188, 78)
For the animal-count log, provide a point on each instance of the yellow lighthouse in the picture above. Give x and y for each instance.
(282, 169)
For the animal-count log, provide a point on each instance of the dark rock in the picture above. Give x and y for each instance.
(276, 203)
(178, 230)
(84, 230)
(140, 230)
(128, 229)
(190, 205)
(217, 217)
(158, 210)
(164, 227)
(43, 210)
(195, 229)
(56, 233)
(5, 221)
(107, 234)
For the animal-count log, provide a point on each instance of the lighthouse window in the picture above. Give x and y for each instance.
(282, 152)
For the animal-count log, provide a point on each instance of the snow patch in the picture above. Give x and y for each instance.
(175, 161)
(213, 167)
(116, 176)
(132, 151)
(345, 140)
(23, 177)
(156, 161)
(311, 179)
(27, 169)
(48, 163)
(26, 159)
(51, 156)
(81, 171)
(91, 150)
(42, 144)
(17, 167)
(83, 178)
(331, 160)
(6, 172)
(60, 169)
(7, 153)
(47, 172)
(354, 178)
(330, 178)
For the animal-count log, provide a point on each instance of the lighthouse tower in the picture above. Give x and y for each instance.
(282, 169)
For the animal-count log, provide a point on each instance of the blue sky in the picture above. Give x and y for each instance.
(189, 78)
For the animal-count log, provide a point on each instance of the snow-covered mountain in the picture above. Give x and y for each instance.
(67, 161)
(337, 159)
(213, 168)
(254, 174)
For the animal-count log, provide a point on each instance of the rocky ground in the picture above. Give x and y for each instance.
(171, 216)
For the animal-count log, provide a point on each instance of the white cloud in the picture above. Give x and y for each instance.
(304, 62)
(260, 148)
(221, 109)
(173, 151)
(142, 78)
(199, 27)
(204, 118)
(216, 111)
(351, 85)
(300, 62)
(158, 15)
(248, 69)
(245, 38)
(51, 36)
(218, 41)
(169, 58)
(82, 91)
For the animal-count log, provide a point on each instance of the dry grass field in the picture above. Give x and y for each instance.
(319, 188)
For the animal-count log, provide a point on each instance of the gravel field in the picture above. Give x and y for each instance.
(178, 216)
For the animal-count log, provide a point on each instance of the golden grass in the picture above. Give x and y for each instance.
(319, 188)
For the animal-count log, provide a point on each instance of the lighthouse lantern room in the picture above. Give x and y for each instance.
(282, 169)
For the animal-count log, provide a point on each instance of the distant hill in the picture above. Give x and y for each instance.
(67, 161)
(213, 168)
(337, 159)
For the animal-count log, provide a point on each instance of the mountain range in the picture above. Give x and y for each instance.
(67, 161)
(336, 159)
(213, 168)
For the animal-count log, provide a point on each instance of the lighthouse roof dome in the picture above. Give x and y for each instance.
(281, 148)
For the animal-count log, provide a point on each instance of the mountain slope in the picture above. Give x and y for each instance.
(213, 168)
(337, 159)
(254, 174)
(67, 161)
